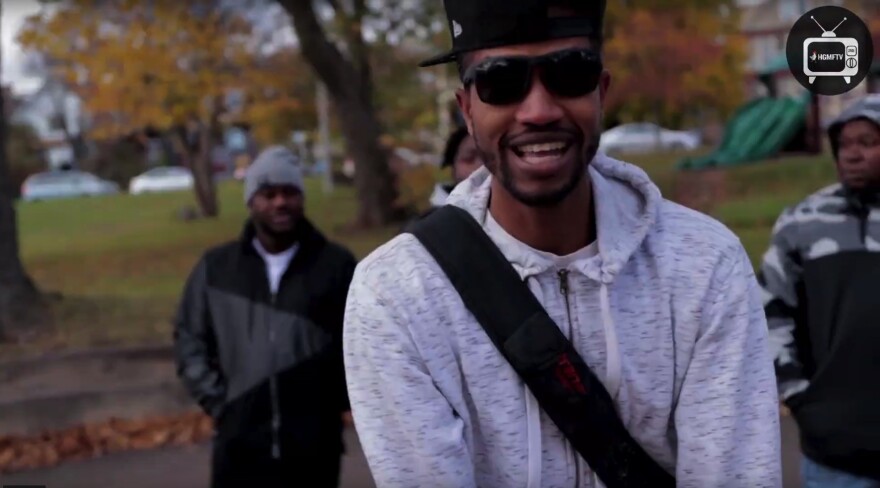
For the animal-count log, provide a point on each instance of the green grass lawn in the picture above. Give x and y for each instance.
(755, 193)
(120, 262)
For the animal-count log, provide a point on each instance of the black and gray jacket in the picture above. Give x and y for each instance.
(820, 279)
(268, 368)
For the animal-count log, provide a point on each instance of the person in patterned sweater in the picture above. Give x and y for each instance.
(819, 279)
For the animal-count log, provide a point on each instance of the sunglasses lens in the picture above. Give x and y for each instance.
(572, 74)
(503, 81)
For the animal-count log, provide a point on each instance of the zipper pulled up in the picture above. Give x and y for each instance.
(564, 289)
(273, 391)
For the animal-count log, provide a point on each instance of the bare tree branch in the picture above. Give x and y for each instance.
(329, 63)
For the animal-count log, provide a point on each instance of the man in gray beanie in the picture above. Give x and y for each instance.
(820, 277)
(276, 165)
(258, 338)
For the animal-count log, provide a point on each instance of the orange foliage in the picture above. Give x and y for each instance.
(158, 63)
(666, 62)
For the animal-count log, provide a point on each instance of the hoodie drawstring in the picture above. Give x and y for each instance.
(613, 370)
(613, 373)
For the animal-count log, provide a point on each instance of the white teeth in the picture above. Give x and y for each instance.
(539, 148)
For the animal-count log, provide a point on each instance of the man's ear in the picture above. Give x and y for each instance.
(463, 97)
(604, 85)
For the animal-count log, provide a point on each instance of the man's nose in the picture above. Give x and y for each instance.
(851, 156)
(279, 200)
(539, 107)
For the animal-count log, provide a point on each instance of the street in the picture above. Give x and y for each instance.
(188, 468)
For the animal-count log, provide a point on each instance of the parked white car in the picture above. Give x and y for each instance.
(162, 179)
(646, 137)
(50, 185)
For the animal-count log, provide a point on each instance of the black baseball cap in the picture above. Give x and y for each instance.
(483, 24)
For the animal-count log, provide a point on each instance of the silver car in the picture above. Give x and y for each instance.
(65, 184)
(161, 179)
(646, 137)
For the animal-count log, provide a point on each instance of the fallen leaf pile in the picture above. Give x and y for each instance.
(49, 448)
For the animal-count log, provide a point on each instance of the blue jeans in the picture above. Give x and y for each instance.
(815, 475)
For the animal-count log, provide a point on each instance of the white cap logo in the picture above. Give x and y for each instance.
(456, 29)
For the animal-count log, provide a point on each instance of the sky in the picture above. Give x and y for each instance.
(16, 11)
(14, 14)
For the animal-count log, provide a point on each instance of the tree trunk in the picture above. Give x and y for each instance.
(349, 83)
(203, 174)
(23, 310)
(195, 144)
(373, 179)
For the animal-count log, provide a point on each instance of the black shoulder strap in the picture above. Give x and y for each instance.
(517, 323)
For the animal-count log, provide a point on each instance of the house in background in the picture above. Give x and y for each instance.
(55, 114)
(765, 24)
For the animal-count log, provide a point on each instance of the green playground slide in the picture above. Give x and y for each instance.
(758, 130)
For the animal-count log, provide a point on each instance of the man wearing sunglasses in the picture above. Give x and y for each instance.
(661, 302)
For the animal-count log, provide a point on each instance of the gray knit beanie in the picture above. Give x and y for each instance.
(867, 108)
(275, 165)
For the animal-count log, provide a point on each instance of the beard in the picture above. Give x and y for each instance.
(284, 234)
(499, 165)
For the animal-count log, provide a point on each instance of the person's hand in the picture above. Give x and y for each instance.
(347, 419)
(783, 410)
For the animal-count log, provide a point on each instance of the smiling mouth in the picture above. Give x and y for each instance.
(541, 153)
(282, 218)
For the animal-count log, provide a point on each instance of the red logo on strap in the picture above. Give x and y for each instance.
(568, 376)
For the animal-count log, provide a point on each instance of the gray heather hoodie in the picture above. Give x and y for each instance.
(667, 312)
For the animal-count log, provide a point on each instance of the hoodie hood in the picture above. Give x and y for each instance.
(626, 205)
(440, 194)
(867, 108)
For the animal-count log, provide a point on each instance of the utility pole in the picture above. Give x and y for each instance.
(323, 106)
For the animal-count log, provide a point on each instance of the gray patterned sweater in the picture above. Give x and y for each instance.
(819, 278)
(667, 313)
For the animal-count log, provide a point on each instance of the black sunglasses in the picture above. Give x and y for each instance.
(508, 79)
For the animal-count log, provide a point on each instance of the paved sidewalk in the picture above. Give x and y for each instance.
(185, 467)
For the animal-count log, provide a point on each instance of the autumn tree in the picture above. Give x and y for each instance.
(349, 82)
(285, 101)
(671, 59)
(167, 64)
(339, 53)
(406, 96)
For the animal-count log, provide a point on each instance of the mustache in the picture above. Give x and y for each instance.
(506, 140)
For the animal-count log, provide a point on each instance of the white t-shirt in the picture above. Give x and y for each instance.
(276, 264)
(561, 262)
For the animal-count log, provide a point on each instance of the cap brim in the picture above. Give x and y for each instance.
(440, 59)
